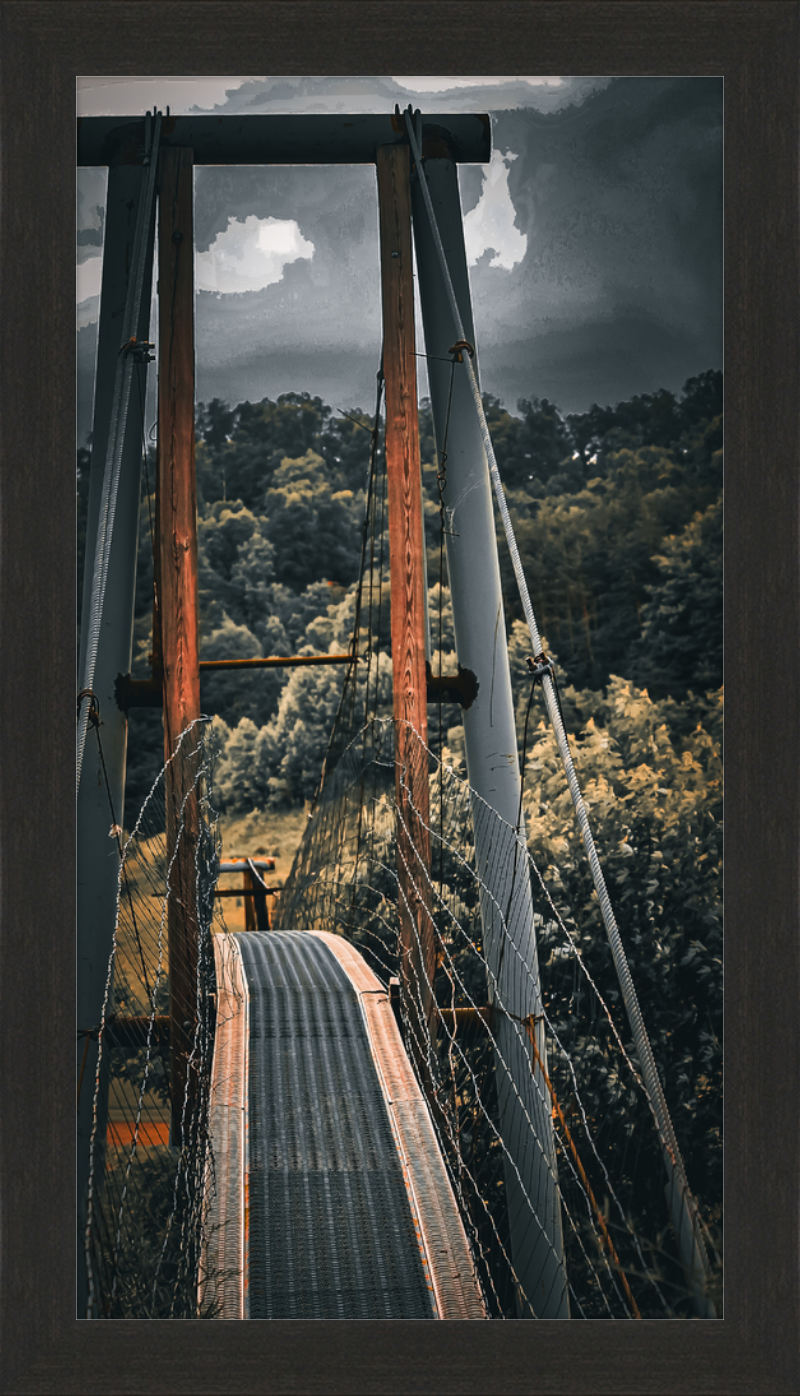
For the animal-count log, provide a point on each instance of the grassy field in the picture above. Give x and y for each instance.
(258, 835)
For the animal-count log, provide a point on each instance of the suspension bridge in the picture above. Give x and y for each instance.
(377, 1100)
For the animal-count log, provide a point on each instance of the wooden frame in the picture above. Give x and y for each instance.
(44, 45)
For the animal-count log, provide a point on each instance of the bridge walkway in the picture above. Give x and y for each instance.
(330, 1196)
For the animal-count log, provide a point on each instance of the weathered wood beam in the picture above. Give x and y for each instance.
(406, 560)
(177, 599)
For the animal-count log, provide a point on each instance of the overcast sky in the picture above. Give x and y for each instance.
(594, 238)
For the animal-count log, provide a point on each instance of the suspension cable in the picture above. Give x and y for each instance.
(674, 1162)
(116, 440)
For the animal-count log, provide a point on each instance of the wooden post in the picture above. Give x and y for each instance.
(177, 597)
(406, 554)
(256, 913)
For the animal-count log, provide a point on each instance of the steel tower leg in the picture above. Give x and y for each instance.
(492, 759)
(98, 863)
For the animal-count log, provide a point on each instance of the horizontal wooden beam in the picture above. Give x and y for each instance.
(247, 891)
(276, 661)
(332, 139)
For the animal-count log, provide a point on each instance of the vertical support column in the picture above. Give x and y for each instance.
(406, 556)
(177, 598)
(97, 867)
(492, 759)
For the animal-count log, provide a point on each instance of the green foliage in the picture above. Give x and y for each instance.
(592, 557)
(654, 419)
(316, 534)
(653, 790)
(618, 519)
(681, 639)
(279, 764)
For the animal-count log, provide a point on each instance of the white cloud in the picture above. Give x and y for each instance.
(444, 84)
(249, 255)
(86, 313)
(490, 225)
(129, 96)
(88, 275)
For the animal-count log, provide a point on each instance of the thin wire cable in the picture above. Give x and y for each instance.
(672, 1155)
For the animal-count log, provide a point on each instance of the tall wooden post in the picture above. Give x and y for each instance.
(406, 555)
(177, 601)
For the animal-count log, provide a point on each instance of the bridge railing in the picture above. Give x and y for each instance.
(145, 1207)
(346, 880)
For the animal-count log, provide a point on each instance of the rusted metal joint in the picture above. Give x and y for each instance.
(459, 688)
(94, 705)
(458, 348)
(467, 1020)
(138, 693)
(138, 350)
(539, 666)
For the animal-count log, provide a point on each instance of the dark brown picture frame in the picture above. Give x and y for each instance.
(43, 47)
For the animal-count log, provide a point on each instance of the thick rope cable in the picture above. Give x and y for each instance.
(672, 1154)
(116, 440)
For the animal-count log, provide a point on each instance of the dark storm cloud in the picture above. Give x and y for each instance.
(378, 94)
(309, 330)
(616, 185)
(619, 290)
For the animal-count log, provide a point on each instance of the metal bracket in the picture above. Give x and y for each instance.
(138, 693)
(459, 688)
(138, 350)
(540, 666)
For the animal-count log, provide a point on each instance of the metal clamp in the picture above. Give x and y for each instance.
(540, 666)
(457, 348)
(94, 706)
(138, 350)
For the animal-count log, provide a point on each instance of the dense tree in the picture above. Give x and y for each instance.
(654, 795)
(681, 641)
(618, 519)
(617, 515)
(316, 534)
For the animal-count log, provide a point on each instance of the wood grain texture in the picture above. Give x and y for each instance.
(406, 560)
(177, 598)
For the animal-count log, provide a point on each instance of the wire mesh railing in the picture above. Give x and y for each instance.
(150, 1152)
(348, 878)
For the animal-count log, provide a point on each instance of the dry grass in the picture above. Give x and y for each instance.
(259, 835)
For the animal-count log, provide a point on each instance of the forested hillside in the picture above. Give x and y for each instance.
(618, 518)
(618, 515)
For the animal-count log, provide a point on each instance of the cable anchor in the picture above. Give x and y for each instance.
(457, 348)
(94, 706)
(539, 666)
(138, 350)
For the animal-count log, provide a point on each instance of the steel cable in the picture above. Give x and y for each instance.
(674, 1162)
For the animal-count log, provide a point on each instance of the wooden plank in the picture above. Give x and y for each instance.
(406, 557)
(177, 597)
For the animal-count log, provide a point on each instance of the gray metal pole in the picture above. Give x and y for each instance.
(492, 760)
(97, 859)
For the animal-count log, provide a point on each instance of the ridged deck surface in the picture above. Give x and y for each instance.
(330, 1232)
(331, 1198)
